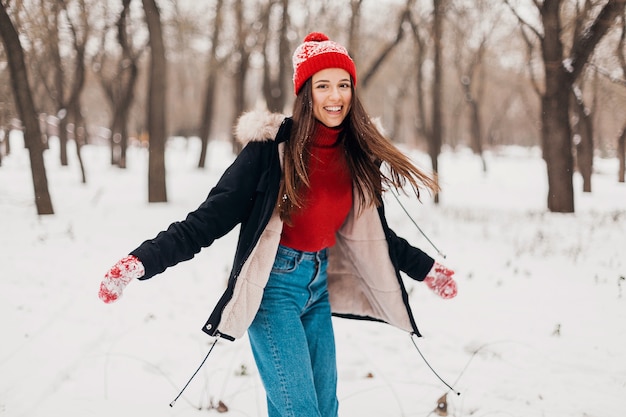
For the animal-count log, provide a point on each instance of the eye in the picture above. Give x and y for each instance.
(321, 86)
(344, 85)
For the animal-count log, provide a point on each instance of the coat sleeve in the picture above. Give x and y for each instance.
(405, 257)
(227, 205)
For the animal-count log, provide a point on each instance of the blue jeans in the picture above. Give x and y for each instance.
(292, 338)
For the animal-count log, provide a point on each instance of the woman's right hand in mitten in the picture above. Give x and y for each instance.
(118, 277)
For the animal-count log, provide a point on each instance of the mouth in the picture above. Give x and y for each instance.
(333, 109)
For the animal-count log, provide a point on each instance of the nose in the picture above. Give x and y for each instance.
(334, 92)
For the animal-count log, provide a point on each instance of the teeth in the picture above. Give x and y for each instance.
(333, 108)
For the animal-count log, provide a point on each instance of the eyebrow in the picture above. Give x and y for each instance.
(327, 81)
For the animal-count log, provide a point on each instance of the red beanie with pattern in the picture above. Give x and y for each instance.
(316, 53)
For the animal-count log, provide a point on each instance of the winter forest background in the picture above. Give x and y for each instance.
(116, 118)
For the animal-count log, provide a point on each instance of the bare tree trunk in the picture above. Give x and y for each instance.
(275, 87)
(472, 100)
(475, 20)
(4, 131)
(157, 131)
(621, 141)
(243, 55)
(583, 128)
(355, 28)
(472, 95)
(120, 88)
(79, 140)
(556, 130)
(437, 123)
(558, 147)
(209, 95)
(422, 124)
(26, 109)
(476, 131)
(74, 111)
(621, 154)
(67, 103)
(3, 134)
(7, 142)
(58, 76)
(399, 100)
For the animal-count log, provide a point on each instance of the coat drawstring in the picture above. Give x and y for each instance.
(217, 337)
(443, 255)
(431, 368)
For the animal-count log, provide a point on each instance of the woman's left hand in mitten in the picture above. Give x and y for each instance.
(118, 277)
(440, 280)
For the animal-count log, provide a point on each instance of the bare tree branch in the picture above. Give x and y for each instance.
(621, 46)
(387, 50)
(529, 50)
(523, 21)
(607, 74)
(586, 42)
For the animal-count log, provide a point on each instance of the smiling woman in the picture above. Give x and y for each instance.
(314, 240)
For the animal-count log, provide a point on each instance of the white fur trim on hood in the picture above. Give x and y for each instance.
(257, 126)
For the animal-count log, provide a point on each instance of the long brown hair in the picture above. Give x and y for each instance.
(366, 149)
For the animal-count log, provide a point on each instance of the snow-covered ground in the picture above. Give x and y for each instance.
(538, 327)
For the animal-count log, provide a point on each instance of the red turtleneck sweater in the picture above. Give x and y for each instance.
(329, 198)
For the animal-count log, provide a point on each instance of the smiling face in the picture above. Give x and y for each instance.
(332, 96)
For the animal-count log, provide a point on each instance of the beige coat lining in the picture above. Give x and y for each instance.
(362, 280)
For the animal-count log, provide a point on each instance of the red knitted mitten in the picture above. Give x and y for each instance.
(118, 277)
(440, 280)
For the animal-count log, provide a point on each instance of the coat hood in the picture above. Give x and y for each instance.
(257, 126)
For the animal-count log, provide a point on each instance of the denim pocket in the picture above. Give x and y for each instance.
(284, 264)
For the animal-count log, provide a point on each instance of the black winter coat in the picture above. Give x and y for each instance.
(364, 279)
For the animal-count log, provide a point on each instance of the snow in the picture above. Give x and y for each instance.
(538, 327)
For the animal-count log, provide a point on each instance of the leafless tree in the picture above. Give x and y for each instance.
(472, 26)
(436, 139)
(354, 30)
(80, 34)
(26, 109)
(621, 154)
(118, 76)
(403, 70)
(621, 141)
(581, 112)
(242, 50)
(7, 110)
(63, 73)
(387, 49)
(207, 114)
(421, 36)
(157, 191)
(582, 127)
(275, 80)
(561, 71)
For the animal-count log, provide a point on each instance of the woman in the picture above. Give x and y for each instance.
(313, 241)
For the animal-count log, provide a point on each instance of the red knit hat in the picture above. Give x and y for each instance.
(318, 53)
